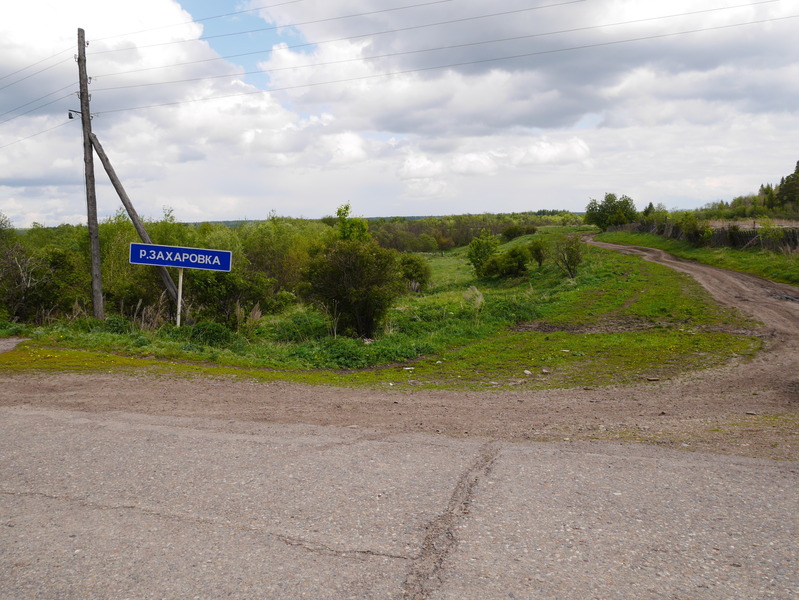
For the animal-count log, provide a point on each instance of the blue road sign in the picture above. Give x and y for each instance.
(175, 256)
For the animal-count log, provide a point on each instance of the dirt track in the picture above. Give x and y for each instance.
(746, 408)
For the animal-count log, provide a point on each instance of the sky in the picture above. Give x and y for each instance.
(227, 110)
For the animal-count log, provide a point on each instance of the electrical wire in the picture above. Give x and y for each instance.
(36, 108)
(273, 27)
(203, 19)
(420, 51)
(416, 27)
(30, 66)
(450, 65)
(32, 74)
(31, 102)
(33, 135)
(408, 71)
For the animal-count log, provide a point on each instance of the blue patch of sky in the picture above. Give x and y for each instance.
(246, 49)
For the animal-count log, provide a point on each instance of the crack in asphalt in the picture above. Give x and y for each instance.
(425, 575)
(312, 547)
(317, 548)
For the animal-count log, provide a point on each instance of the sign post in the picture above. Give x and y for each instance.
(182, 258)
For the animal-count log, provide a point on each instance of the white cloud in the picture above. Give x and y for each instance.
(682, 120)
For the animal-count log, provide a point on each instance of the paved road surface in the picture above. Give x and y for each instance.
(116, 505)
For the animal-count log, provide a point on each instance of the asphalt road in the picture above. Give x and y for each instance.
(117, 505)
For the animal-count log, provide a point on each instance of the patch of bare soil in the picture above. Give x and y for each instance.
(746, 408)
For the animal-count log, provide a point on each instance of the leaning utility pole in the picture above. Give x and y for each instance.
(169, 284)
(88, 162)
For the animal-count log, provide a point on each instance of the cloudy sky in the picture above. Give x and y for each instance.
(221, 109)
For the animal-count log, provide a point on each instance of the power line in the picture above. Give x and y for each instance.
(31, 102)
(354, 37)
(423, 26)
(451, 65)
(37, 107)
(438, 48)
(34, 135)
(230, 14)
(30, 66)
(36, 73)
(273, 27)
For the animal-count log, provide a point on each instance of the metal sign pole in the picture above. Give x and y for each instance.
(180, 292)
(180, 258)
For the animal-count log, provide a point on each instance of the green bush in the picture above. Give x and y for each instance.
(416, 272)
(209, 333)
(355, 281)
(568, 254)
(118, 324)
(480, 251)
(538, 251)
(8, 329)
(511, 263)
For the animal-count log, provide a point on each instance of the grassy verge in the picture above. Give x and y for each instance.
(776, 266)
(620, 320)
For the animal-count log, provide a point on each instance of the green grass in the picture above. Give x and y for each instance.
(776, 266)
(620, 320)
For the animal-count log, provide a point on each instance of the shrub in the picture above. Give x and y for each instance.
(538, 251)
(480, 251)
(209, 333)
(355, 281)
(512, 263)
(118, 324)
(568, 254)
(512, 232)
(416, 272)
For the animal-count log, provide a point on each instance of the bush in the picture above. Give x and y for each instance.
(209, 333)
(538, 251)
(10, 329)
(355, 281)
(512, 263)
(416, 272)
(480, 251)
(118, 324)
(568, 254)
(512, 232)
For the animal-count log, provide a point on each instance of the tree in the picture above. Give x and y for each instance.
(480, 250)
(788, 190)
(352, 278)
(351, 228)
(416, 272)
(511, 263)
(355, 282)
(538, 251)
(611, 211)
(568, 254)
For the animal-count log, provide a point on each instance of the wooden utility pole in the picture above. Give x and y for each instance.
(88, 163)
(169, 284)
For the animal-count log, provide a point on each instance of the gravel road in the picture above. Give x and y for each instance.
(126, 487)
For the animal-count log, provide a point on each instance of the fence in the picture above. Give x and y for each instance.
(732, 236)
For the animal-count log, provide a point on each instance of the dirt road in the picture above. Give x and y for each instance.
(747, 408)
